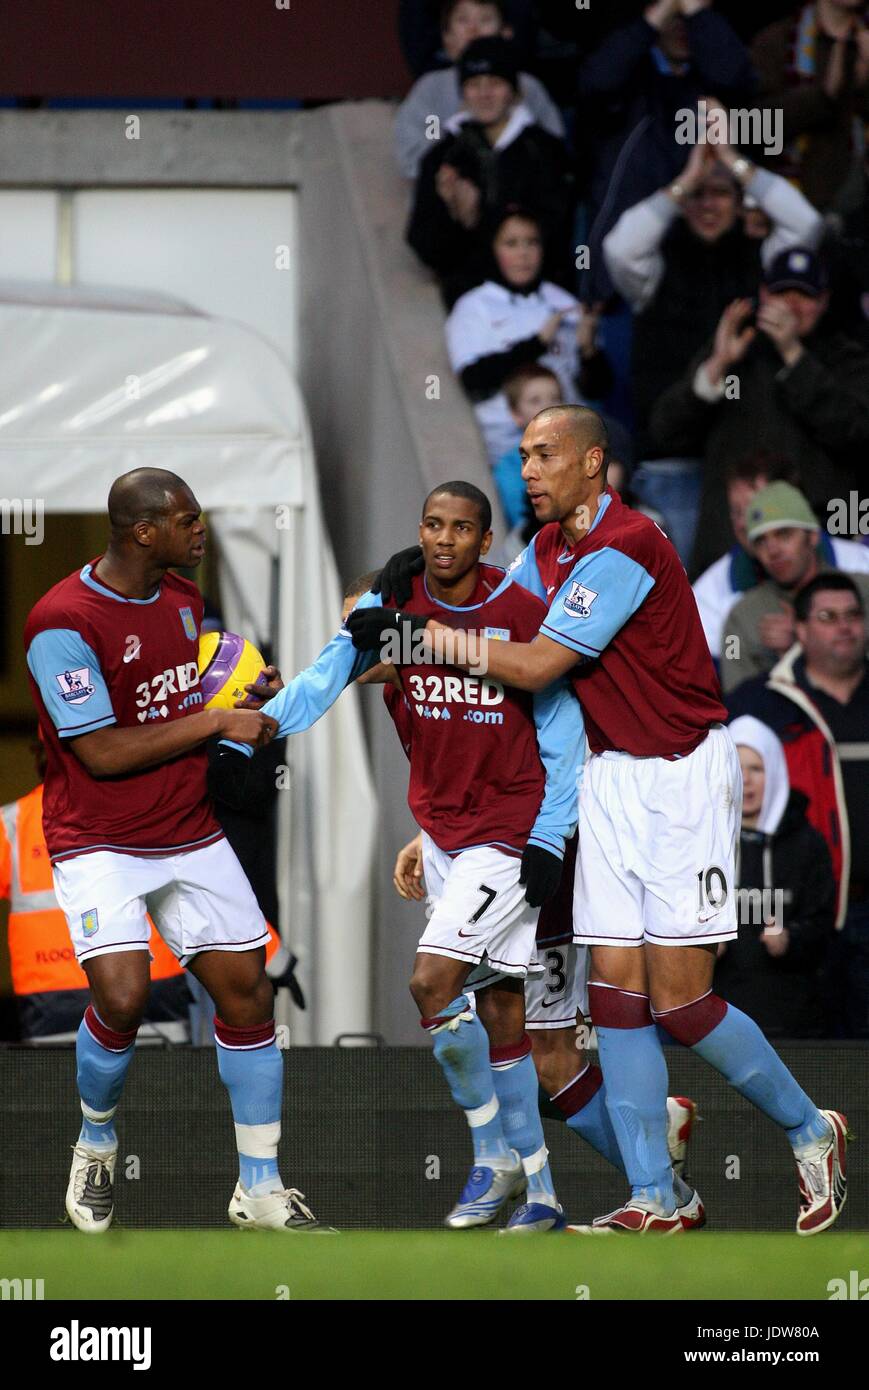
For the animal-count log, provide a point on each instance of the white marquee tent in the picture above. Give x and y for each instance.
(99, 382)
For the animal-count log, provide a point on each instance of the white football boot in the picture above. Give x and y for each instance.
(681, 1118)
(822, 1178)
(277, 1211)
(90, 1200)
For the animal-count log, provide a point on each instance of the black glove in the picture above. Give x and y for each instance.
(367, 626)
(287, 980)
(541, 874)
(228, 773)
(396, 577)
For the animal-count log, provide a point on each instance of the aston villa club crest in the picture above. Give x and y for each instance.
(90, 922)
(189, 622)
(75, 686)
(578, 602)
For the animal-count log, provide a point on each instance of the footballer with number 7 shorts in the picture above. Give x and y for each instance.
(493, 787)
(658, 810)
(112, 659)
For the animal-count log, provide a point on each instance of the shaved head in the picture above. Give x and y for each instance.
(564, 459)
(156, 525)
(145, 494)
(585, 426)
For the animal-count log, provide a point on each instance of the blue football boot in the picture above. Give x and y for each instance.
(485, 1193)
(533, 1218)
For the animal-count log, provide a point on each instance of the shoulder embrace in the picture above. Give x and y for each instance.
(529, 610)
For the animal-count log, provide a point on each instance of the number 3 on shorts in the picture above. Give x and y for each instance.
(555, 976)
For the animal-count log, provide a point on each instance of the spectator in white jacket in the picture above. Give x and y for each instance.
(516, 317)
(436, 97)
(682, 255)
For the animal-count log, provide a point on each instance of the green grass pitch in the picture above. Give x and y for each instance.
(423, 1265)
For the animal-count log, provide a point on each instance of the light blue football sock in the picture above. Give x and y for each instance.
(636, 1098)
(516, 1088)
(103, 1057)
(737, 1048)
(581, 1104)
(461, 1048)
(251, 1069)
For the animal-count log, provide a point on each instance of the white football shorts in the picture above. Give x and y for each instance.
(479, 913)
(199, 901)
(559, 997)
(657, 846)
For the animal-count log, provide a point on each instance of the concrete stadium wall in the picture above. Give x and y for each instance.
(371, 343)
(389, 422)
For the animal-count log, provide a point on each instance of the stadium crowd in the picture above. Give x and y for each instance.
(663, 212)
(604, 231)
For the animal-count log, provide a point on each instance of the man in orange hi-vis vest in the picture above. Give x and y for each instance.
(50, 987)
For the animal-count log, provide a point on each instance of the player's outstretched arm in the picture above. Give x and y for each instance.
(308, 696)
(112, 751)
(524, 665)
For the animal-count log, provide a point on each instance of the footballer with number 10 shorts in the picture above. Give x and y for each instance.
(658, 812)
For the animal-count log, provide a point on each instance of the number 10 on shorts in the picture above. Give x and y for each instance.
(711, 892)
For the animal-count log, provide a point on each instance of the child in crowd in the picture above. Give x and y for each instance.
(530, 389)
(517, 317)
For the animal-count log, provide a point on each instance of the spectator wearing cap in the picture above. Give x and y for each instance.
(681, 255)
(516, 317)
(778, 373)
(791, 550)
(786, 899)
(631, 88)
(492, 156)
(816, 698)
(437, 96)
(814, 68)
(720, 586)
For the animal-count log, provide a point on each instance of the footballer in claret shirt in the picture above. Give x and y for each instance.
(112, 659)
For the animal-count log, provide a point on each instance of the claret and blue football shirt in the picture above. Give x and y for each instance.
(621, 600)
